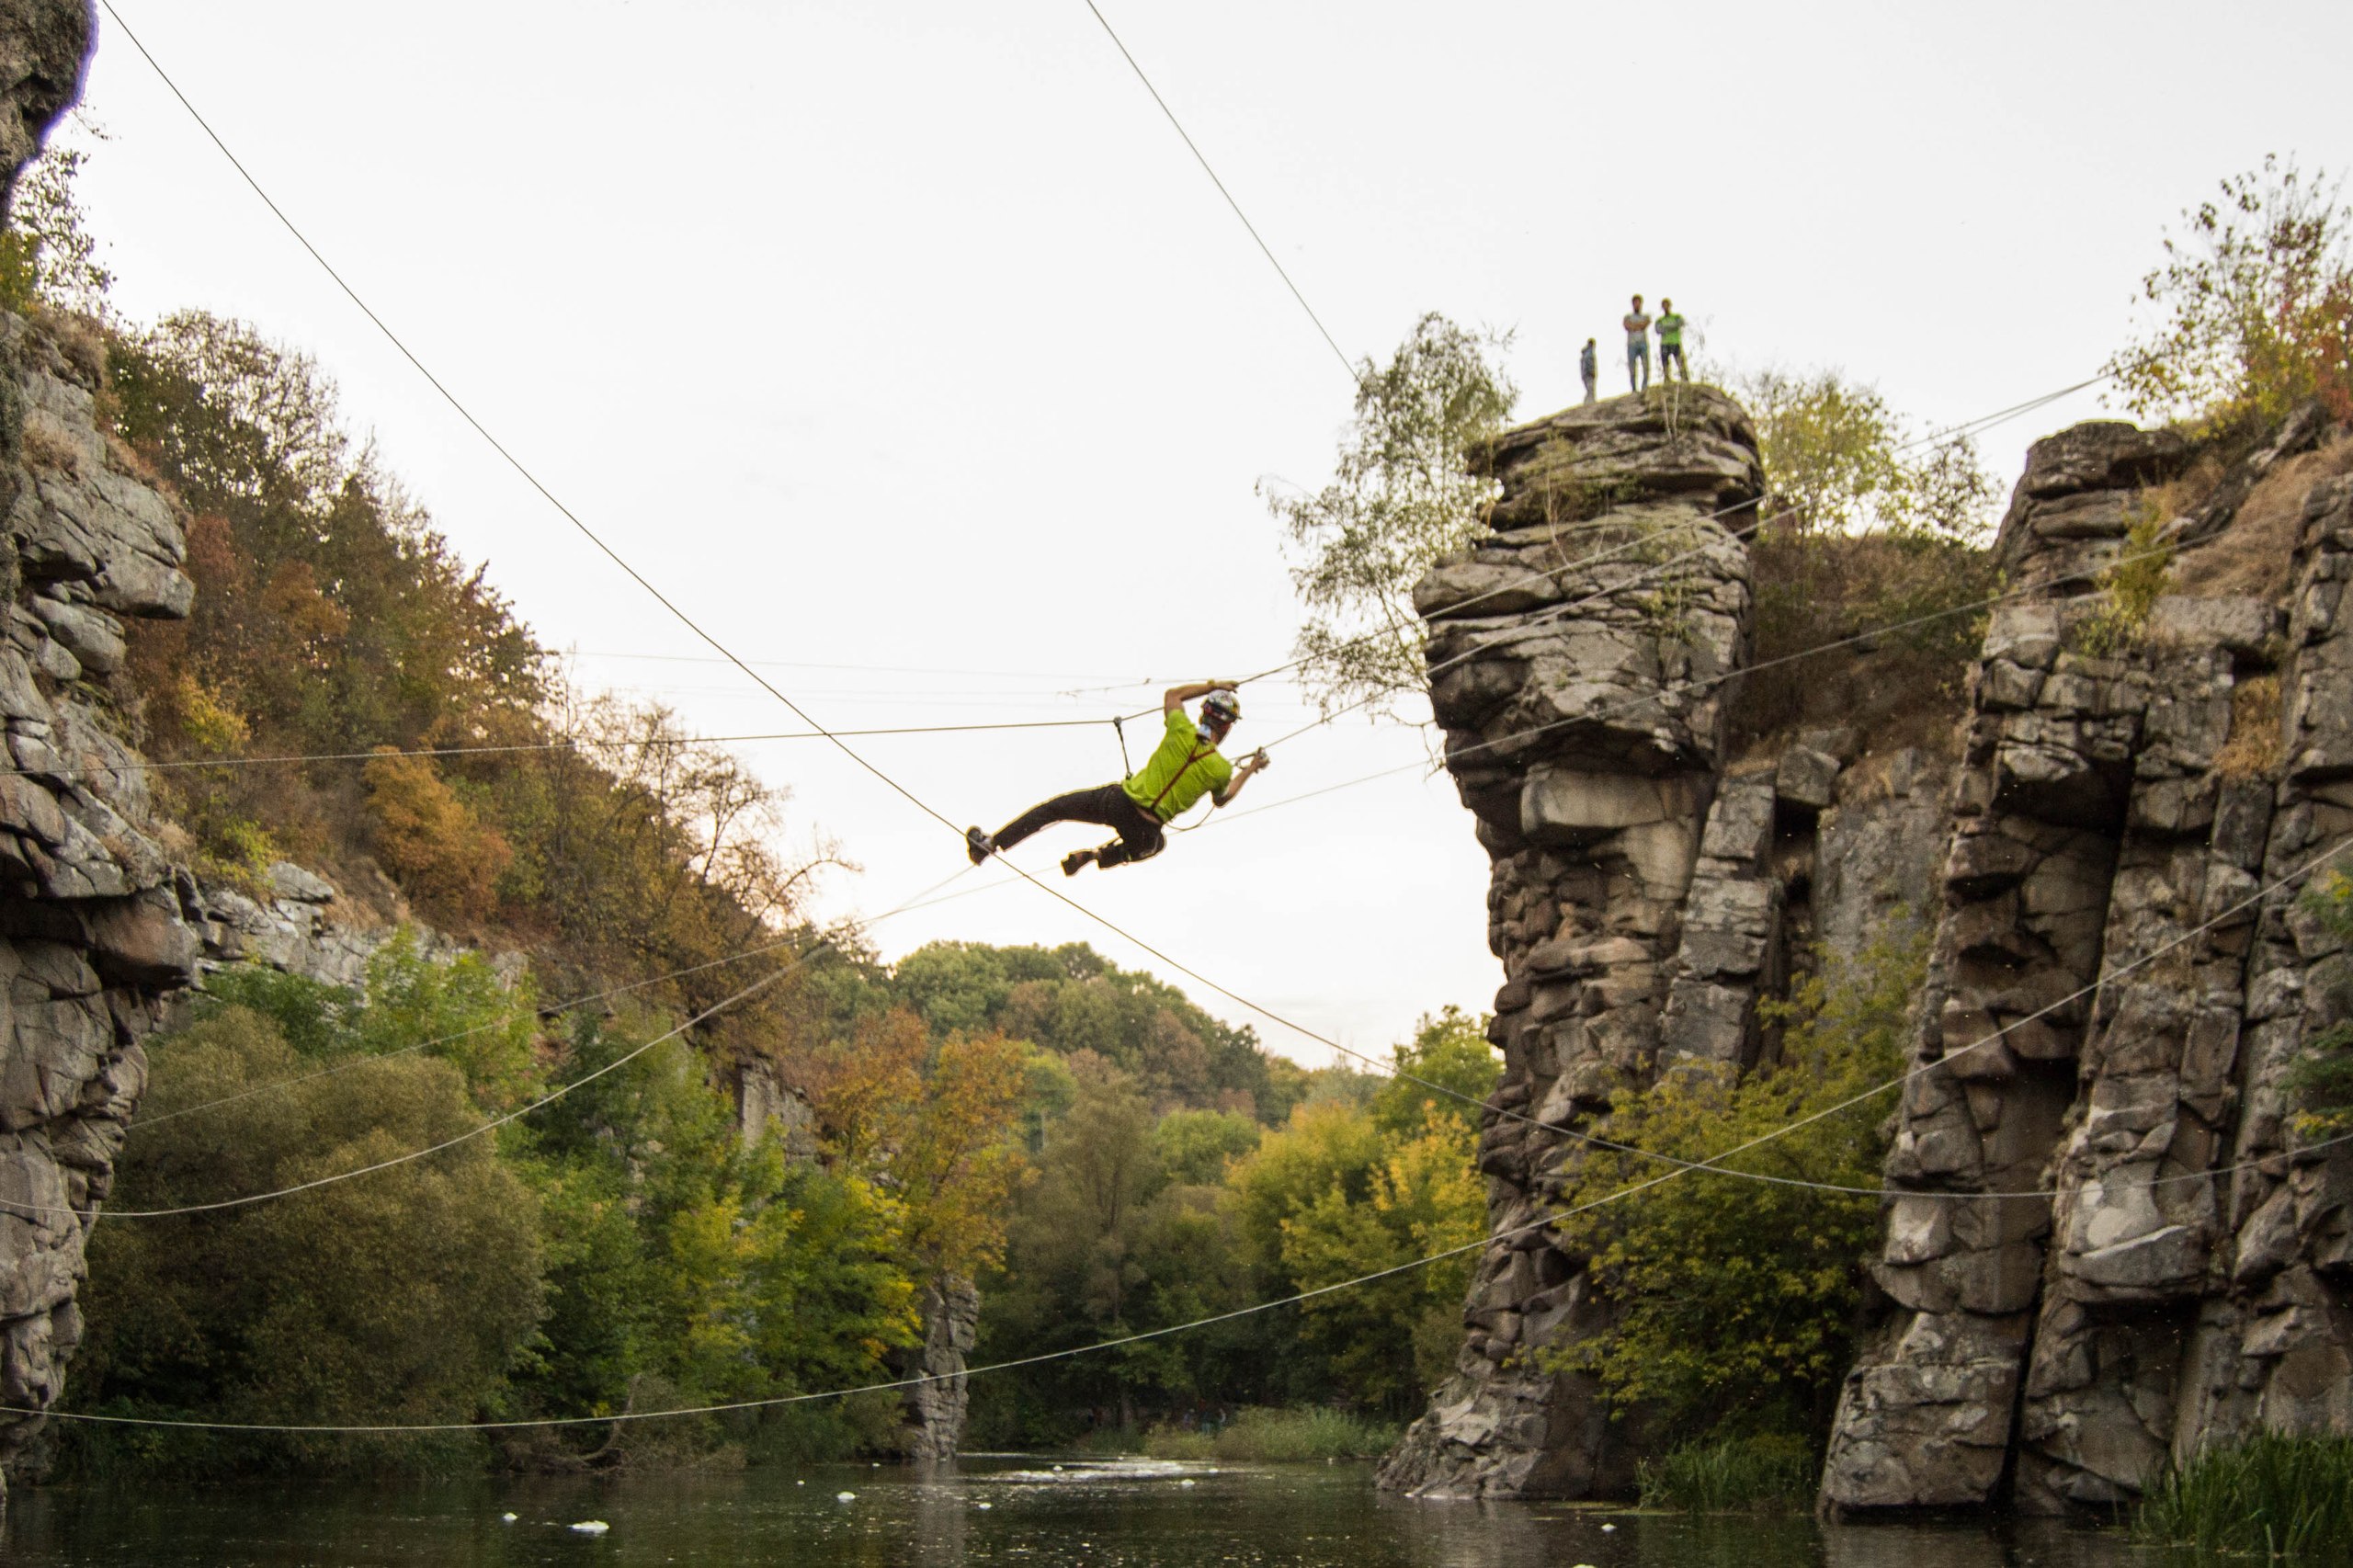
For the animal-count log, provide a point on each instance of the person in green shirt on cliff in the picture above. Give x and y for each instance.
(1670, 343)
(1185, 766)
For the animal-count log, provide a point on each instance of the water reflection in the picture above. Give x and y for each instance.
(1003, 1511)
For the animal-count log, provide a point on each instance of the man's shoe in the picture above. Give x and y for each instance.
(1076, 859)
(978, 844)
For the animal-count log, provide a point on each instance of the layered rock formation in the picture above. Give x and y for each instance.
(1644, 893)
(2140, 822)
(935, 1407)
(2120, 975)
(92, 935)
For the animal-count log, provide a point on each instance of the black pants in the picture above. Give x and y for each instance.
(1106, 806)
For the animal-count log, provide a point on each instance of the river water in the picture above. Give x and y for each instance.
(1018, 1512)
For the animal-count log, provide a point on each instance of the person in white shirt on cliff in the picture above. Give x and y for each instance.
(1185, 766)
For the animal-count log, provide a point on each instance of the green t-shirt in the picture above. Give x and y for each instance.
(1183, 769)
(1670, 328)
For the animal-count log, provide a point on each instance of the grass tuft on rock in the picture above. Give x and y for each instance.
(2285, 1499)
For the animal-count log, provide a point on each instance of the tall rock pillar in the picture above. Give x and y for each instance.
(1577, 657)
(2123, 973)
(92, 932)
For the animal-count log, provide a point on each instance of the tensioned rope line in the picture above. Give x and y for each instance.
(917, 1381)
(2086, 990)
(669, 605)
(1202, 158)
(884, 778)
(530, 478)
(1670, 689)
(285, 758)
(1966, 428)
(288, 758)
(1560, 612)
(346, 1064)
(513, 461)
(1710, 1165)
(11, 1206)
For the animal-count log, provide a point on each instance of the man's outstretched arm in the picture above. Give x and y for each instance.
(1176, 697)
(1256, 763)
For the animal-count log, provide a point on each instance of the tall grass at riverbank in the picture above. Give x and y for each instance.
(1277, 1436)
(2286, 1499)
(1730, 1476)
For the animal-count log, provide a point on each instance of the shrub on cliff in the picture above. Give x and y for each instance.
(1736, 1299)
(2252, 307)
(1863, 528)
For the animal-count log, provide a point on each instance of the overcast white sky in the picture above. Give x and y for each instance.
(912, 336)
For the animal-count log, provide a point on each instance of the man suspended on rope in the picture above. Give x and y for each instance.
(1184, 768)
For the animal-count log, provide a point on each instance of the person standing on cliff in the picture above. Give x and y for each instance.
(1590, 366)
(1670, 343)
(1638, 347)
(1185, 766)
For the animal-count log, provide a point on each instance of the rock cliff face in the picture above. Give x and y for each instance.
(92, 936)
(2098, 855)
(2124, 820)
(936, 1409)
(1643, 892)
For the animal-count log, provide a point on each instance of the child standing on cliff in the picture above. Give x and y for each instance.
(1638, 347)
(1185, 766)
(1590, 366)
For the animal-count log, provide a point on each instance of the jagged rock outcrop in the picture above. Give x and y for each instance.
(935, 1407)
(2136, 820)
(1575, 658)
(1645, 889)
(92, 934)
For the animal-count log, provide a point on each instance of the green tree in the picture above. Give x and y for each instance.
(1072, 999)
(408, 1295)
(1838, 459)
(1401, 497)
(1450, 1050)
(1736, 1299)
(1193, 1146)
(686, 1265)
(1393, 1340)
(2251, 312)
(47, 256)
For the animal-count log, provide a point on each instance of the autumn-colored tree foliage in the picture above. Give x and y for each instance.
(332, 622)
(932, 1121)
(432, 842)
(2251, 313)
